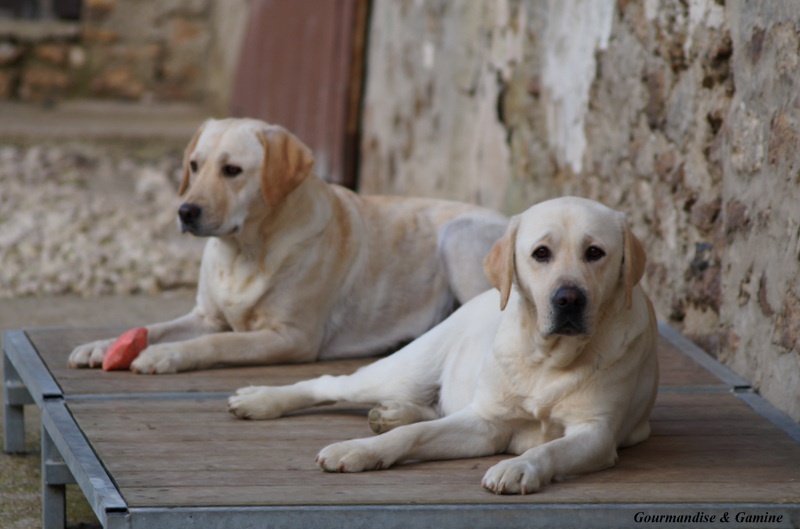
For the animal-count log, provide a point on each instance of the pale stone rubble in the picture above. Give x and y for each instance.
(78, 219)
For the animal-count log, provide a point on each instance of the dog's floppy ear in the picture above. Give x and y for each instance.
(186, 154)
(498, 265)
(287, 161)
(634, 260)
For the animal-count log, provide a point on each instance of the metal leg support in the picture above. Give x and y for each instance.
(55, 476)
(15, 396)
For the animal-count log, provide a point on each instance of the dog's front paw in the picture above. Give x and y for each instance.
(513, 476)
(89, 354)
(256, 402)
(160, 359)
(349, 456)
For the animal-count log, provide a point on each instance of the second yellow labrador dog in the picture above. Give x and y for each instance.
(298, 270)
(557, 366)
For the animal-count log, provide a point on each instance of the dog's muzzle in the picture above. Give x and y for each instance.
(189, 214)
(569, 311)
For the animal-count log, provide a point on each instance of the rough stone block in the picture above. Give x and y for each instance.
(40, 83)
(118, 81)
(98, 9)
(185, 8)
(51, 53)
(8, 79)
(97, 35)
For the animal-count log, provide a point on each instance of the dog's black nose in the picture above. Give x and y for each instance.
(189, 213)
(569, 316)
(569, 299)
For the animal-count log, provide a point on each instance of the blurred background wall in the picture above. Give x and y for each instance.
(133, 50)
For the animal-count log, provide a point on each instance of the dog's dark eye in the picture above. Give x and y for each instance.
(193, 166)
(593, 253)
(231, 170)
(542, 254)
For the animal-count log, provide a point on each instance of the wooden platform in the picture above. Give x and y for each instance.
(161, 451)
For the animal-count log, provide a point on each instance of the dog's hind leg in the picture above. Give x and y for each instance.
(410, 376)
(391, 414)
(463, 243)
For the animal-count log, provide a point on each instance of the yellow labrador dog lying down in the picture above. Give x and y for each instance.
(298, 270)
(557, 366)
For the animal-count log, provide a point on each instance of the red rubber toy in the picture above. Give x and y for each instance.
(125, 349)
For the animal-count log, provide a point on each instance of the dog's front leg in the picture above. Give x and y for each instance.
(584, 448)
(192, 325)
(185, 327)
(462, 434)
(270, 346)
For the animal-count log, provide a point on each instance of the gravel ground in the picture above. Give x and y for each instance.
(91, 219)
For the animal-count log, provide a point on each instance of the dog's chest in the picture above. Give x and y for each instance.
(236, 287)
(535, 399)
(539, 420)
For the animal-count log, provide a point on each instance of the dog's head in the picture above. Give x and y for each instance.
(569, 258)
(234, 169)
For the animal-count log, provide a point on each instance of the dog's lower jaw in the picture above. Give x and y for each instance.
(565, 329)
(202, 231)
(569, 328)
(194, 230)
(568, 323)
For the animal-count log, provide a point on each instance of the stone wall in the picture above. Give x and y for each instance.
(760, 246)
(134, 50)
(682, 114)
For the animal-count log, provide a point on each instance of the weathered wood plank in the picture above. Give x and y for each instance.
(54, 345)
(722, 427)
(217, 404)
(677, 369)
(155, 449)
(170, 410)
(471, 493)
(190, 419)
(443, 474)
(697, 400)
(277, 459)
(187, 431)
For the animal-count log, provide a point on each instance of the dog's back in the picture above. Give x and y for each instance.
(402, 278)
